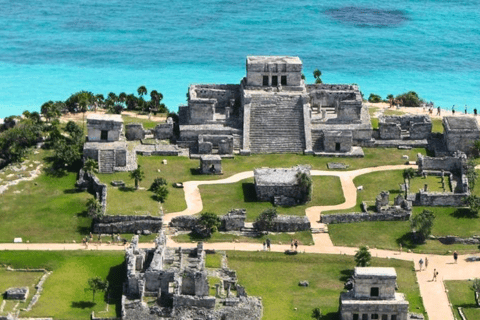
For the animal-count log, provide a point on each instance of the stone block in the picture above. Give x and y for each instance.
(17, 293)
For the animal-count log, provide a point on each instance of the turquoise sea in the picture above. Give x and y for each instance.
(51, 49)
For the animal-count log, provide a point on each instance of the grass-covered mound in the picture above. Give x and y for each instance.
(63, 296)
(460, 294)
(275, 277)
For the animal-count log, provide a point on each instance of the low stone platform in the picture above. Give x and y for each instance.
(223, 156)
(16, 293)
(356, 152)
(397, 143)
(158, 150)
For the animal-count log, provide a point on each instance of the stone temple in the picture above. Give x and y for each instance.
(373, 297)
(272, 110)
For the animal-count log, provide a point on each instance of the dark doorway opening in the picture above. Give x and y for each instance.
(337, 146)
(265, 81)
(104, 135)
(284, 80)
(274, 81)
(374, 292)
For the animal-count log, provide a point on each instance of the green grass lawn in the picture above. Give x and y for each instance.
(389, 234)
(275, 277)
(48, 209)
(64, 296)
(147, 124)
(434, 184)
(460, 294)
(213, 260)
(390, 112)
(303, 237)
(9, 279)
(390, 181)
(437, 125)
(220, 199)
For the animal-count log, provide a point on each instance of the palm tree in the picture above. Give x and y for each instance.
(142, 90)
(90, 166)
(98, 101)
(363, 257)
(138, 175)
(122, 97)
(317, 74)
(83, 105)
(94, 208)
(317, 314)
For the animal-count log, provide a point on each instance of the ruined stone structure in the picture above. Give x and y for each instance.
(272, 110)
(106, 143)
(162, 131)
(281, 185)
(17, 293)
(460, 133)
(177, 278)
(373, 296)
(407, 127)
(455, 168)
(210, 164)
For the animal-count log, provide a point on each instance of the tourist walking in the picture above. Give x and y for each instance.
(466, 109)
(264, 246)
(455, 256)
(296, 244)
(291, 245)
(268, 244)
(420, 262)
(475, 111)
(401, 247)
(426, 263)
(438, 111)
(435, 274)
(453, 110)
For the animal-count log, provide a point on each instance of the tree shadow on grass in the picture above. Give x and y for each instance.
(83, 304)
(464, 213)
(72, 191)
(83, 230)
(345, 274)
(116, 277)
(331, 316)
(127, 189)
(249, 194)
(395, 191)
(83, 214)
(195, 172)
(407, 241)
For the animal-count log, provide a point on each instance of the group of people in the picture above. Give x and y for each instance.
(430, 107)
(115, 238)
(435, 272)
(267, 245)
(466, 110)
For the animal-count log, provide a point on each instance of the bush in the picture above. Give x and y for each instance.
(422, 225)
(363, 257)
(264, 221)
(410, 99)
(161, 193)
(207, 224)
(156, 183)
(374, 98)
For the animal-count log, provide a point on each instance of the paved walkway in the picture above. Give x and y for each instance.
(434, 296)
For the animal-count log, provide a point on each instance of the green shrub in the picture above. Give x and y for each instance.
(374, 98)
(410, 99)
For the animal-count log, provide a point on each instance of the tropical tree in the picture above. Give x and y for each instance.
(161, 193)
(142, 90)
(472, 174)
(210, 221)
(422, 224)
(264, 221)
(94, 208)
(305, 181)
(156, 183)
(410, 99)
(317, 74)
(95, 285)
(408, 174)
(138, 175)
(317, 314)
(473, 202)
(50, 110)
(90, 165)
(66, 154)
(374, 98)
(363, 257)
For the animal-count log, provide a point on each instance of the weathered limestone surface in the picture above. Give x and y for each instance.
(127, 224)
(17, 293)
(460, 133)
(112, 124)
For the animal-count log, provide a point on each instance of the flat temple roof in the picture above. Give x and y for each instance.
(461, 123)
(273, 59)
(369, 272)
(277, 176)
(105, 117)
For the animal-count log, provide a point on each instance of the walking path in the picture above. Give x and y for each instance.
(434, 296)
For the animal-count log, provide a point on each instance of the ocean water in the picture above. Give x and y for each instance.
(51, 49)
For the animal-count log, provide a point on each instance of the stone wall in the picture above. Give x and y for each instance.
(127, 224)
(193, 301)
(437, 199)
(164, 131)
(419, 127)
(134, 131)
(475, 240)
(341, 138)
(284, 223)
(89, 181)
(455, 163)
(232, 221)
(183, 222)
(394, 214)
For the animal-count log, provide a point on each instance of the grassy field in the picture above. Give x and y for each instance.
(222, 198)
(213, 261)
(9, 279)
(460, 294)
(389, 112)
(391, 181)
(275, 277)
(434, 184)
(437, 125)
(303, 237)
(181, 169)
(46, 209)
(64, 296)
(147, 124)
(389, 234)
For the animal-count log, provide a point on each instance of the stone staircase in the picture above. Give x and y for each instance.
(106, 161)
(405, 134)
(277, 125)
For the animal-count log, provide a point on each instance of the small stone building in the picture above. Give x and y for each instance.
(337, 141)
(373, 296)
(281, 185)
(210, 164)
(407, 127)
(106, 143)
(16, 293)
(460, 133)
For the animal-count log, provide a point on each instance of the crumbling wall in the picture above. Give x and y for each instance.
(164, 131)
(88, 181)
(437, 199)
(455, 163)
(193, 301)
(127, 224)
(234, 220)
(284, 223)
(134, 131)
(392, 214)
